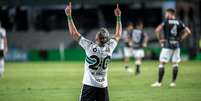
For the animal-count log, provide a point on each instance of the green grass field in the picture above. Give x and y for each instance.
(61, 81)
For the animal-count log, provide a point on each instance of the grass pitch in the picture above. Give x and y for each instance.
(61, 81)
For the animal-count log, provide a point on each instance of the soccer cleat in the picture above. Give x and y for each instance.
(156, 84)
(172, 84)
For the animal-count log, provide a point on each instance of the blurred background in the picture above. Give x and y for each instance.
(37, 29)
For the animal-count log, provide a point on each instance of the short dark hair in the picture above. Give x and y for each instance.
(138, 22)
(171, 10)
(129, 24)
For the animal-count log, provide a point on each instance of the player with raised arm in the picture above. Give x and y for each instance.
(98, 55)
(174, 32)
(3, 48)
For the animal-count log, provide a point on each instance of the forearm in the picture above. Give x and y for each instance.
(184, 36)
(72, 29)
(146, 40)
(118, 29)
(158, 35)
(157, 31)
(6, 49)
(127, 40)
(186, 33)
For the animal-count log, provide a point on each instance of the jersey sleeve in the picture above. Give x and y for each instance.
(164, 22)
(112, 44)
(84, 43)
(183, 26)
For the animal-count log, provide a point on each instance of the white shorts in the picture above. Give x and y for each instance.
(128, 52)
(138, 53)
(167, 54)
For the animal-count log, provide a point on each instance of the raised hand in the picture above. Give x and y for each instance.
(118, 29)
(117, 11)
(68, 9)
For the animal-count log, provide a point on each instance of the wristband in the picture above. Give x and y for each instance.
(69, 17)
(118, 18)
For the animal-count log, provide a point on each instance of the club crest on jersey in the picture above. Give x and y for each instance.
(94, 49)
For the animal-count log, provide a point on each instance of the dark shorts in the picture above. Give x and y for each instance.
(90, 93)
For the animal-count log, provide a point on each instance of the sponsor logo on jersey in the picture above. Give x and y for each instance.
(173, 22)
(107, 49)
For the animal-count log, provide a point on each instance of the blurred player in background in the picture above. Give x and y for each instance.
(174, 32)
(135, 40)
(138, 41)
(98, 55)
(3, 48)
(127, 50)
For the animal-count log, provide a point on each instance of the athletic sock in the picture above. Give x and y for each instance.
(174, 73)
(137, 70)
(161, 73)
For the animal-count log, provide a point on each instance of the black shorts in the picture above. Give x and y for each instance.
(90, 93)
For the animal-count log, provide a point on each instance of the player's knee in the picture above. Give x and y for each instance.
(138, 61)
(161, 65)
(175, 66)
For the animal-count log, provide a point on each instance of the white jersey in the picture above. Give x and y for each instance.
(97, 58)
(2, 36)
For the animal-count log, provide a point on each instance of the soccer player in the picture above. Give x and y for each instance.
(174, 32)
(98, 55)
(138, 41)
(127, 50)
(3, 48)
